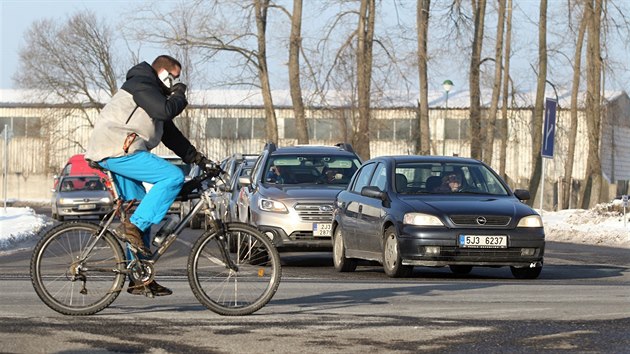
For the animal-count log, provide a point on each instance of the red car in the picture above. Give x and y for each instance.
(77, 166)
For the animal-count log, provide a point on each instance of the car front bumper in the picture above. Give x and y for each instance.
(78, 209)
(439, 247)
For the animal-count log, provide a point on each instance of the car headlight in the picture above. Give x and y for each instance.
(105, 200)
(531, 221)
(65, 201)
(272, 205)
(421, 219)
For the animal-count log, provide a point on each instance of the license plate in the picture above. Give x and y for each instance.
(87, 206)
(322, 229)
(482, 241)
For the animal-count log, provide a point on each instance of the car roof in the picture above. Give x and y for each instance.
(313, 149)
(425, 158)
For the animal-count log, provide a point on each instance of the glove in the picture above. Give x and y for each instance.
(213, 169)
(200, 159)
(178, 88)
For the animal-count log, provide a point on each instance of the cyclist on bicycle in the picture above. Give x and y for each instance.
(136, 120)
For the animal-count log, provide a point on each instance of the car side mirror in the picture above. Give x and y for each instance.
(522, 194)
(244, 181)
(373, 192)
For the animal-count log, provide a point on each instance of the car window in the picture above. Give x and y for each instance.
(363, 178)
(435, 177)
(380, 177)
(310, 169)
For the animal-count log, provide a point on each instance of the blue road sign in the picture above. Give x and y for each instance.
(549, 128)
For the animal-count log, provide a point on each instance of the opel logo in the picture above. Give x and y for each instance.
(326, 208)
(481, 220)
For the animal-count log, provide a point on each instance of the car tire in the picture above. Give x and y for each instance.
(340, 262)
(392, 262)
(526, 272)
(195, 222)
(460, 269)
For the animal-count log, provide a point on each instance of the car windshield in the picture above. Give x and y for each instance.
(447, 177)
(71, 184)
(320, 169)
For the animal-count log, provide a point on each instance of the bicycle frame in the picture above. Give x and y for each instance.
(121, 210)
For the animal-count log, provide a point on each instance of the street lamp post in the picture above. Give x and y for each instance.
(447, 85)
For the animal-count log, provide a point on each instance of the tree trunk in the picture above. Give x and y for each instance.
(294, 73)
(422, 18)
(537, 117)
(506, 77)
(577, 68)
(261, 7)
(496, 88)
(593, 102)
(476, 139)
(365, 34)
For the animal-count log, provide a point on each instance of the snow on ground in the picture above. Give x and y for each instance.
(19, 228)
(602, 226)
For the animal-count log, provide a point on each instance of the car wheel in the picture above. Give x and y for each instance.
(195, 222)
(460, 269)
(526, 272)
(341, 263)
(392, 263)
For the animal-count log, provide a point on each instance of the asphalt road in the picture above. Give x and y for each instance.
(580, 303)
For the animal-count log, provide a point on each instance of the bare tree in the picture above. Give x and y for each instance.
(365, 42)
(506, 77)
(295, 44)
(235, 30)
(575, 88)
(593, 104)
(71, 63)
(496, 88)
(423, 146)
(476, 138)
(537, 117)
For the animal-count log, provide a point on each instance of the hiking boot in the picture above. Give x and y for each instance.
(128, 232)
(153, 287)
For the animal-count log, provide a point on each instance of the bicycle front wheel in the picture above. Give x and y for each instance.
(70, 282)
(245, 287)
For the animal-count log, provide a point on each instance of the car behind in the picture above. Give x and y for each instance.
(291, 191)
(80, 196)
(406, 211)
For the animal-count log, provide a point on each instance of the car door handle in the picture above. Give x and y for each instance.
(360, 208)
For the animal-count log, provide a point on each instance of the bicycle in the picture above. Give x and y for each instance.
(79, 268)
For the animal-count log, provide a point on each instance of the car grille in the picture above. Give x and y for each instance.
(487, 253)
(314, 212)
(471, 220)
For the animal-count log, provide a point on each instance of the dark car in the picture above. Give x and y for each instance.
(80, 196)
(406, 211)
(228, 188)
(291, 192)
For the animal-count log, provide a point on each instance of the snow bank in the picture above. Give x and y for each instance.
(19, 227)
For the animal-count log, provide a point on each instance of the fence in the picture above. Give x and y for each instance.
(45, 136)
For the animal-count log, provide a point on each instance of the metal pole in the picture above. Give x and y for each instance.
(444, 132)
(542, 185)
(6, 165)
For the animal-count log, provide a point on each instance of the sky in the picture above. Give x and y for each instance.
(17, 15)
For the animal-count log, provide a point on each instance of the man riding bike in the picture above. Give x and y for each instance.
(138, 117)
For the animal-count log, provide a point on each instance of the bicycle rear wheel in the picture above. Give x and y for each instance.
(71, 286)
(237, 292)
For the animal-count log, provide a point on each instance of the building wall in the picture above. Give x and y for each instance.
(45, 137)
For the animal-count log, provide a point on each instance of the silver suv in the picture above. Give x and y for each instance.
(290, 193)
